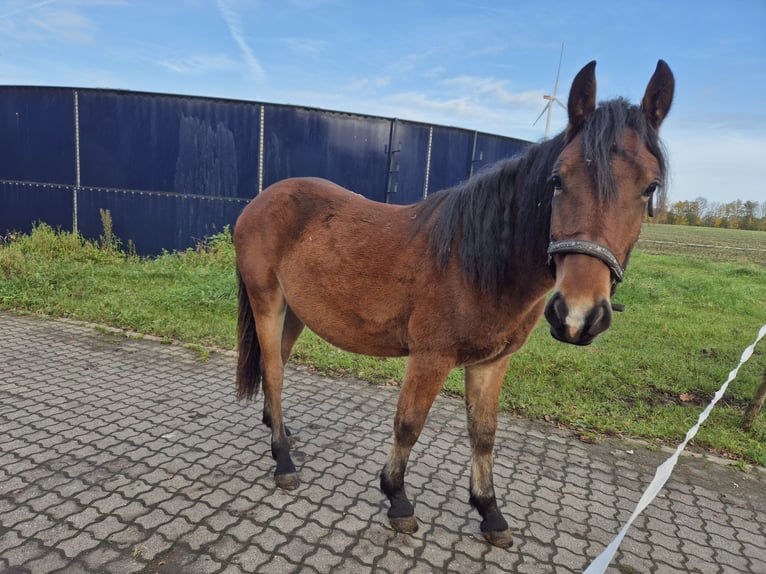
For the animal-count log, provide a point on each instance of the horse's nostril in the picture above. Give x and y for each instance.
(556, 310)
(596, 316)
(599, 319)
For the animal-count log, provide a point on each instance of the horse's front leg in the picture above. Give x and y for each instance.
(423, 379)
(482, 391)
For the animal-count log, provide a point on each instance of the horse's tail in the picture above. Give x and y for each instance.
(249, 360)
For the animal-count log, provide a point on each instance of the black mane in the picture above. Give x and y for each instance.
(501, 215)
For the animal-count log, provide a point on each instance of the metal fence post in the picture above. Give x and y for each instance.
(75, 227)
(428, 160)
(261, 131)
(393, 167)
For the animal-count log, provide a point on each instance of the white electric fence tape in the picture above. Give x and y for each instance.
(600, 564)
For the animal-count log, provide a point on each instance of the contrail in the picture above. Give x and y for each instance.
(235, 27)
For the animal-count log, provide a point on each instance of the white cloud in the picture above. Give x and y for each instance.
(21, 8)
(200, 64)
(494, 90)
(718, 166)
(434, 72)
(365, 84)
(419, 103)
(65, 24)
(306, 47)
(57, 19)
(311, 4)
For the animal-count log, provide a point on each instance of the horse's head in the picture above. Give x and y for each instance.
(604, 179)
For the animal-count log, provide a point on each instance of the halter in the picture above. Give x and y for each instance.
(585, 247)
(593, 249)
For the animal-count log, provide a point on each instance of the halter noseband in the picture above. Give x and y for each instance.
(585, 247)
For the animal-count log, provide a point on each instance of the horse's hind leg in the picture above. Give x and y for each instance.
(424, 378)
(482, 391)
(291, 329)
(270, 319)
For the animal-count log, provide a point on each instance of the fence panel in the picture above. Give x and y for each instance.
(451, 151)
(23, 205)
(37, 135)
(409, 143)
(349, 150)
(154, 222)
(491, 148)
(176, 144)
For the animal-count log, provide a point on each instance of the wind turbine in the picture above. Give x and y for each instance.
(551, 99)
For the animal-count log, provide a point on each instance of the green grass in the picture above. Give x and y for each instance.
(189, 296)
(688, 318)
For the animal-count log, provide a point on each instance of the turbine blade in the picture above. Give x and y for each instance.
(558, 72)
(558, 101)
(545, 109)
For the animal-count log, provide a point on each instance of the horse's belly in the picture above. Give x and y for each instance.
(362, 343)
(359, 322)
(354, 294)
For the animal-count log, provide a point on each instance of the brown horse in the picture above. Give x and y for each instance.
(457, 280)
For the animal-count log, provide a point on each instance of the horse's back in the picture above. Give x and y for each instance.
(289, 205)
(284, 214)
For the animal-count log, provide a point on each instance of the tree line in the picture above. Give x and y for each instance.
(736, 214)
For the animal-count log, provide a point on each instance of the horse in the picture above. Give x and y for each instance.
(458, 279)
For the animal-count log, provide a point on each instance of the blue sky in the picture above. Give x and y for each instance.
(479, 64)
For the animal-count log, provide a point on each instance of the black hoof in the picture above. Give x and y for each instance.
(404, 524)
(289, 481)
(499, 538)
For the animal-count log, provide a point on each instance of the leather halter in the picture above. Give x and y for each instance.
(585, 247)
(600, 252)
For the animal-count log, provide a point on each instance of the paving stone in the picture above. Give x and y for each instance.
(116, 454)
(50, 562)
(199, 537)
(78, 544)
(251, 559)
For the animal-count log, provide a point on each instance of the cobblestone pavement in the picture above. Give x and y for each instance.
(126, 455)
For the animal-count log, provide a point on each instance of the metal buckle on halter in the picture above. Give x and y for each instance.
(593, 249)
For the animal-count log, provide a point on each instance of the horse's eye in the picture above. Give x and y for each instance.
(557, 185)
(650, 190)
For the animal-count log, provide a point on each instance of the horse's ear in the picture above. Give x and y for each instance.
(659, 95)
(582, 97)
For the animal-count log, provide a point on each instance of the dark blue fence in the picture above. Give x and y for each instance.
(173, 170)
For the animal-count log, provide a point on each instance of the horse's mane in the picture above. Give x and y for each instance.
(502, 214)
(604, 128)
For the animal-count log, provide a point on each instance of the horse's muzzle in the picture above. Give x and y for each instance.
(575, 326)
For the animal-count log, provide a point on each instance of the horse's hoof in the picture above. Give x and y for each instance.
(499, 538)
(289, 481)
(404, 524)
